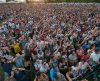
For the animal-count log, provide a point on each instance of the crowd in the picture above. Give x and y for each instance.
(49, 42)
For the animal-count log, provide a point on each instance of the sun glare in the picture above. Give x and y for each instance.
(38, 0)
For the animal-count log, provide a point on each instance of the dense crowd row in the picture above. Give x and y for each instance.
(49, 42)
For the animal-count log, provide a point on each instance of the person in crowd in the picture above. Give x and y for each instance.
(41, 77)
(49, 42)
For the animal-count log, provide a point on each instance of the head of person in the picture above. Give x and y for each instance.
(3, 60)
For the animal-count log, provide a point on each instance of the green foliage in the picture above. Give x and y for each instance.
(9, 0)
(73, 0)
(68, 0)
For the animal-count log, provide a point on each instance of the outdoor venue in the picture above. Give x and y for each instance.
(49, 40)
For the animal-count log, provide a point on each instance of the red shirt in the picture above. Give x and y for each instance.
(32, 50)
(81, 54)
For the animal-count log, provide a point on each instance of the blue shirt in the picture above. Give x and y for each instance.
(7, 67)
(19, 76)
(52, 74)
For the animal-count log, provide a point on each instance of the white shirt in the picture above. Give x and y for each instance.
(72, 57)
(95, 57)
(40, 55)
(84, 66)
(37, 65)
(44, 68)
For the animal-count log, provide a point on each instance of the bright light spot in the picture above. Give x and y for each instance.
(38, 0)
(21, 0)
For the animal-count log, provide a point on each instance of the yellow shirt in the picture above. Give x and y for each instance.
(16, 48)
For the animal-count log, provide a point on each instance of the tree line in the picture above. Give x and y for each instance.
(67, 0)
